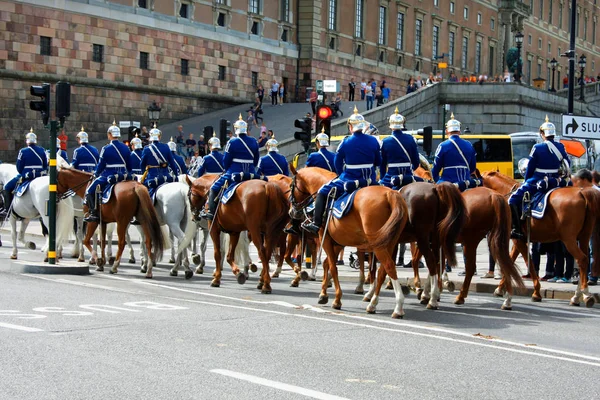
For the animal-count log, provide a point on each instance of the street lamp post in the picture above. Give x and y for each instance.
(154, 112)
(519, 40)
(581, 62)
(553, 64)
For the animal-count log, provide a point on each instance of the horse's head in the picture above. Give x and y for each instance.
(499, 182)
(70, 179)
(198, 192)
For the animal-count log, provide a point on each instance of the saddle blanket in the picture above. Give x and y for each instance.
(539, 202)
(343, 204)
(236, 180)
(229, 192)
(22, 188)
(112, 181)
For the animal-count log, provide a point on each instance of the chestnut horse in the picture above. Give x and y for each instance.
(258, 207)
(129, 199)
(571, 215)
(376, 220)
(488, 214)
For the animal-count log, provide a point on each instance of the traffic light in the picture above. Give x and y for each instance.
(324, 114)
(42, 105)
(305, 125)
(63, 100)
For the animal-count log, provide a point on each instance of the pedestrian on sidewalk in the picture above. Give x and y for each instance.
(274, 92)
(351, 88)
(281, 93)
(363, 89)
(313, 101)
(369, 96)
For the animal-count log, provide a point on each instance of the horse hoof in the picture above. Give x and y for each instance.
(359, 291)
(536, 299)
(148, 276)
(215, 283)
(131, 261)
(196, 259)
(337, 306)
(323, 299)
(153, 264)
(13, 257)
(100, 269)
(253, 268)
(589, 302)
(275, 275)
(173, 273)
(329, 284)
(266, 290)
(574, 303)
(294, 284)
(112, 271)
(188, 274)
(459, 301)
(260, 285)
(31, 245)
(405, 290)
(419, 293)
(172, 261)
(366, 299)
(111, 260)
(449, 286)
(101, 262)
(424, 300)
(304, 275)
(241, 278)
(200, 270)
(506, 308)
(389, 285)
(371, 309)
(397, 316)
(498, 293)
(45, 259)
(430, 307)
(81, 259)
(143, 270)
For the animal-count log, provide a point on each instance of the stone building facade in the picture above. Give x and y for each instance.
(194, 56)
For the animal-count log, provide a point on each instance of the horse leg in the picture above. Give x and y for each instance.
(360, 288)
(375, 289)
(580, 254)
(387, 262)
(172, 239)
(470, 253)
(91, 229)
(121, 240)
(215, 235)
(269, 244)
(131, 251)
(13, 235)
(333, 251)
(102, 260)
(415, 254)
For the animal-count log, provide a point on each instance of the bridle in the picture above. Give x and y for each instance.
(298, 207)
(71, 191)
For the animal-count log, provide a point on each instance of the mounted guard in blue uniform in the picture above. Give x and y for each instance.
(114, 163)
(273, 163)
(241, 156)
(31, 163)
(356, 160)
(86, 156)
(455, 157)
(399, 154)
(158, 163)
(136, 155)
(182, 168)
(546, 160)
(212, 163)
(322, 158)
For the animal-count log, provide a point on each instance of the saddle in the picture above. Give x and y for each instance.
(236, 180)
(343, 204)
(112, 181)
(540, 199)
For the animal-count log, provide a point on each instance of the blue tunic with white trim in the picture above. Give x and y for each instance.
(136, 161)
(159, 161)
(85, 158)
(211, 164)
(457, 165)
(241, 155)
(272, 164)
(114, 160)
(323, 159)
(31, 163)
(180, 163)
(399, 156)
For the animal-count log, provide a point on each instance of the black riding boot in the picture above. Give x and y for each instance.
(315, 225)
(8, 198)
(92, 215)
(515, 212)
(212, 206)
(293, 228)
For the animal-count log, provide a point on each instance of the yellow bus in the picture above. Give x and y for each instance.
(494, 151)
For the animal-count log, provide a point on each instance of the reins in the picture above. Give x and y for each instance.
(74, 189)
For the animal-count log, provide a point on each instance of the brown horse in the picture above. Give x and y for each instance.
(376, 220)
(571, 215)
(487, 214)
(258, 207)
(129, 199)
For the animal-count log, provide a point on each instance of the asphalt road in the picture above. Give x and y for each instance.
(122, 336)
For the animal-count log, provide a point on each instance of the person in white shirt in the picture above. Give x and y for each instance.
(274, 92)
(363, 88)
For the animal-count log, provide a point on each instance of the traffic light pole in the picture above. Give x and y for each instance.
(52, 196)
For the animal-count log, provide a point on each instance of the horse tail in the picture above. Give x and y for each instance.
(454, 209)
(499, 239)
(277, 206)
(146, 215)
(190, 225)
(64, 220)
(393, 227)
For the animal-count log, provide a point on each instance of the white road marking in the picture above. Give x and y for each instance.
(19, 327)
(277, 385)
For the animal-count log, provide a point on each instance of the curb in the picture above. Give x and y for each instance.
(31, 267)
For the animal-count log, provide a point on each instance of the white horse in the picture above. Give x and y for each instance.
(32, 204)
(7, 172)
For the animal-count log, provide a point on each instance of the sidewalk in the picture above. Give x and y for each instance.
(562, 291)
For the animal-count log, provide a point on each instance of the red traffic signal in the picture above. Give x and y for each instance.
(324, 116)
(325, 112)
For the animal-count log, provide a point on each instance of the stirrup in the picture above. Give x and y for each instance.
(311, 227)
(291, 231)
(206, 215)
(90, 217)
(514, 234)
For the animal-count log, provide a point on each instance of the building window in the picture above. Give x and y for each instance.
(539, 44)
(529, 71)
(254, 79)
(418, 29)
(142, 4)
(491, 60)
(560, 15)
(435, 41)
(400, 32)
(549, 47)
(466, 13)
(585, 23)
(529, 40)
(285, 10)
(98, 55)
(465, 52)
(332, 16)
(492, 24)
(382, 25)
(541, 9)
(254, 28)
(594, 22)
(559, 52)
(332, 43)
(539, 70)
(221, 73)
(451, 7)
(358, 51)
(284, 35)
(144, 60)
(221, 19)
(382, 56)
(45, 46)
(185, 67)
(184, 10)
(255, 6)
(436, 3)
(399, 61)
(358, 31)
(477, 58)
(577, 24)
(478, 18)
(551, 5)
(451, 48)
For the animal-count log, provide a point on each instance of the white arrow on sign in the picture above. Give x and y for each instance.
(579, 127)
